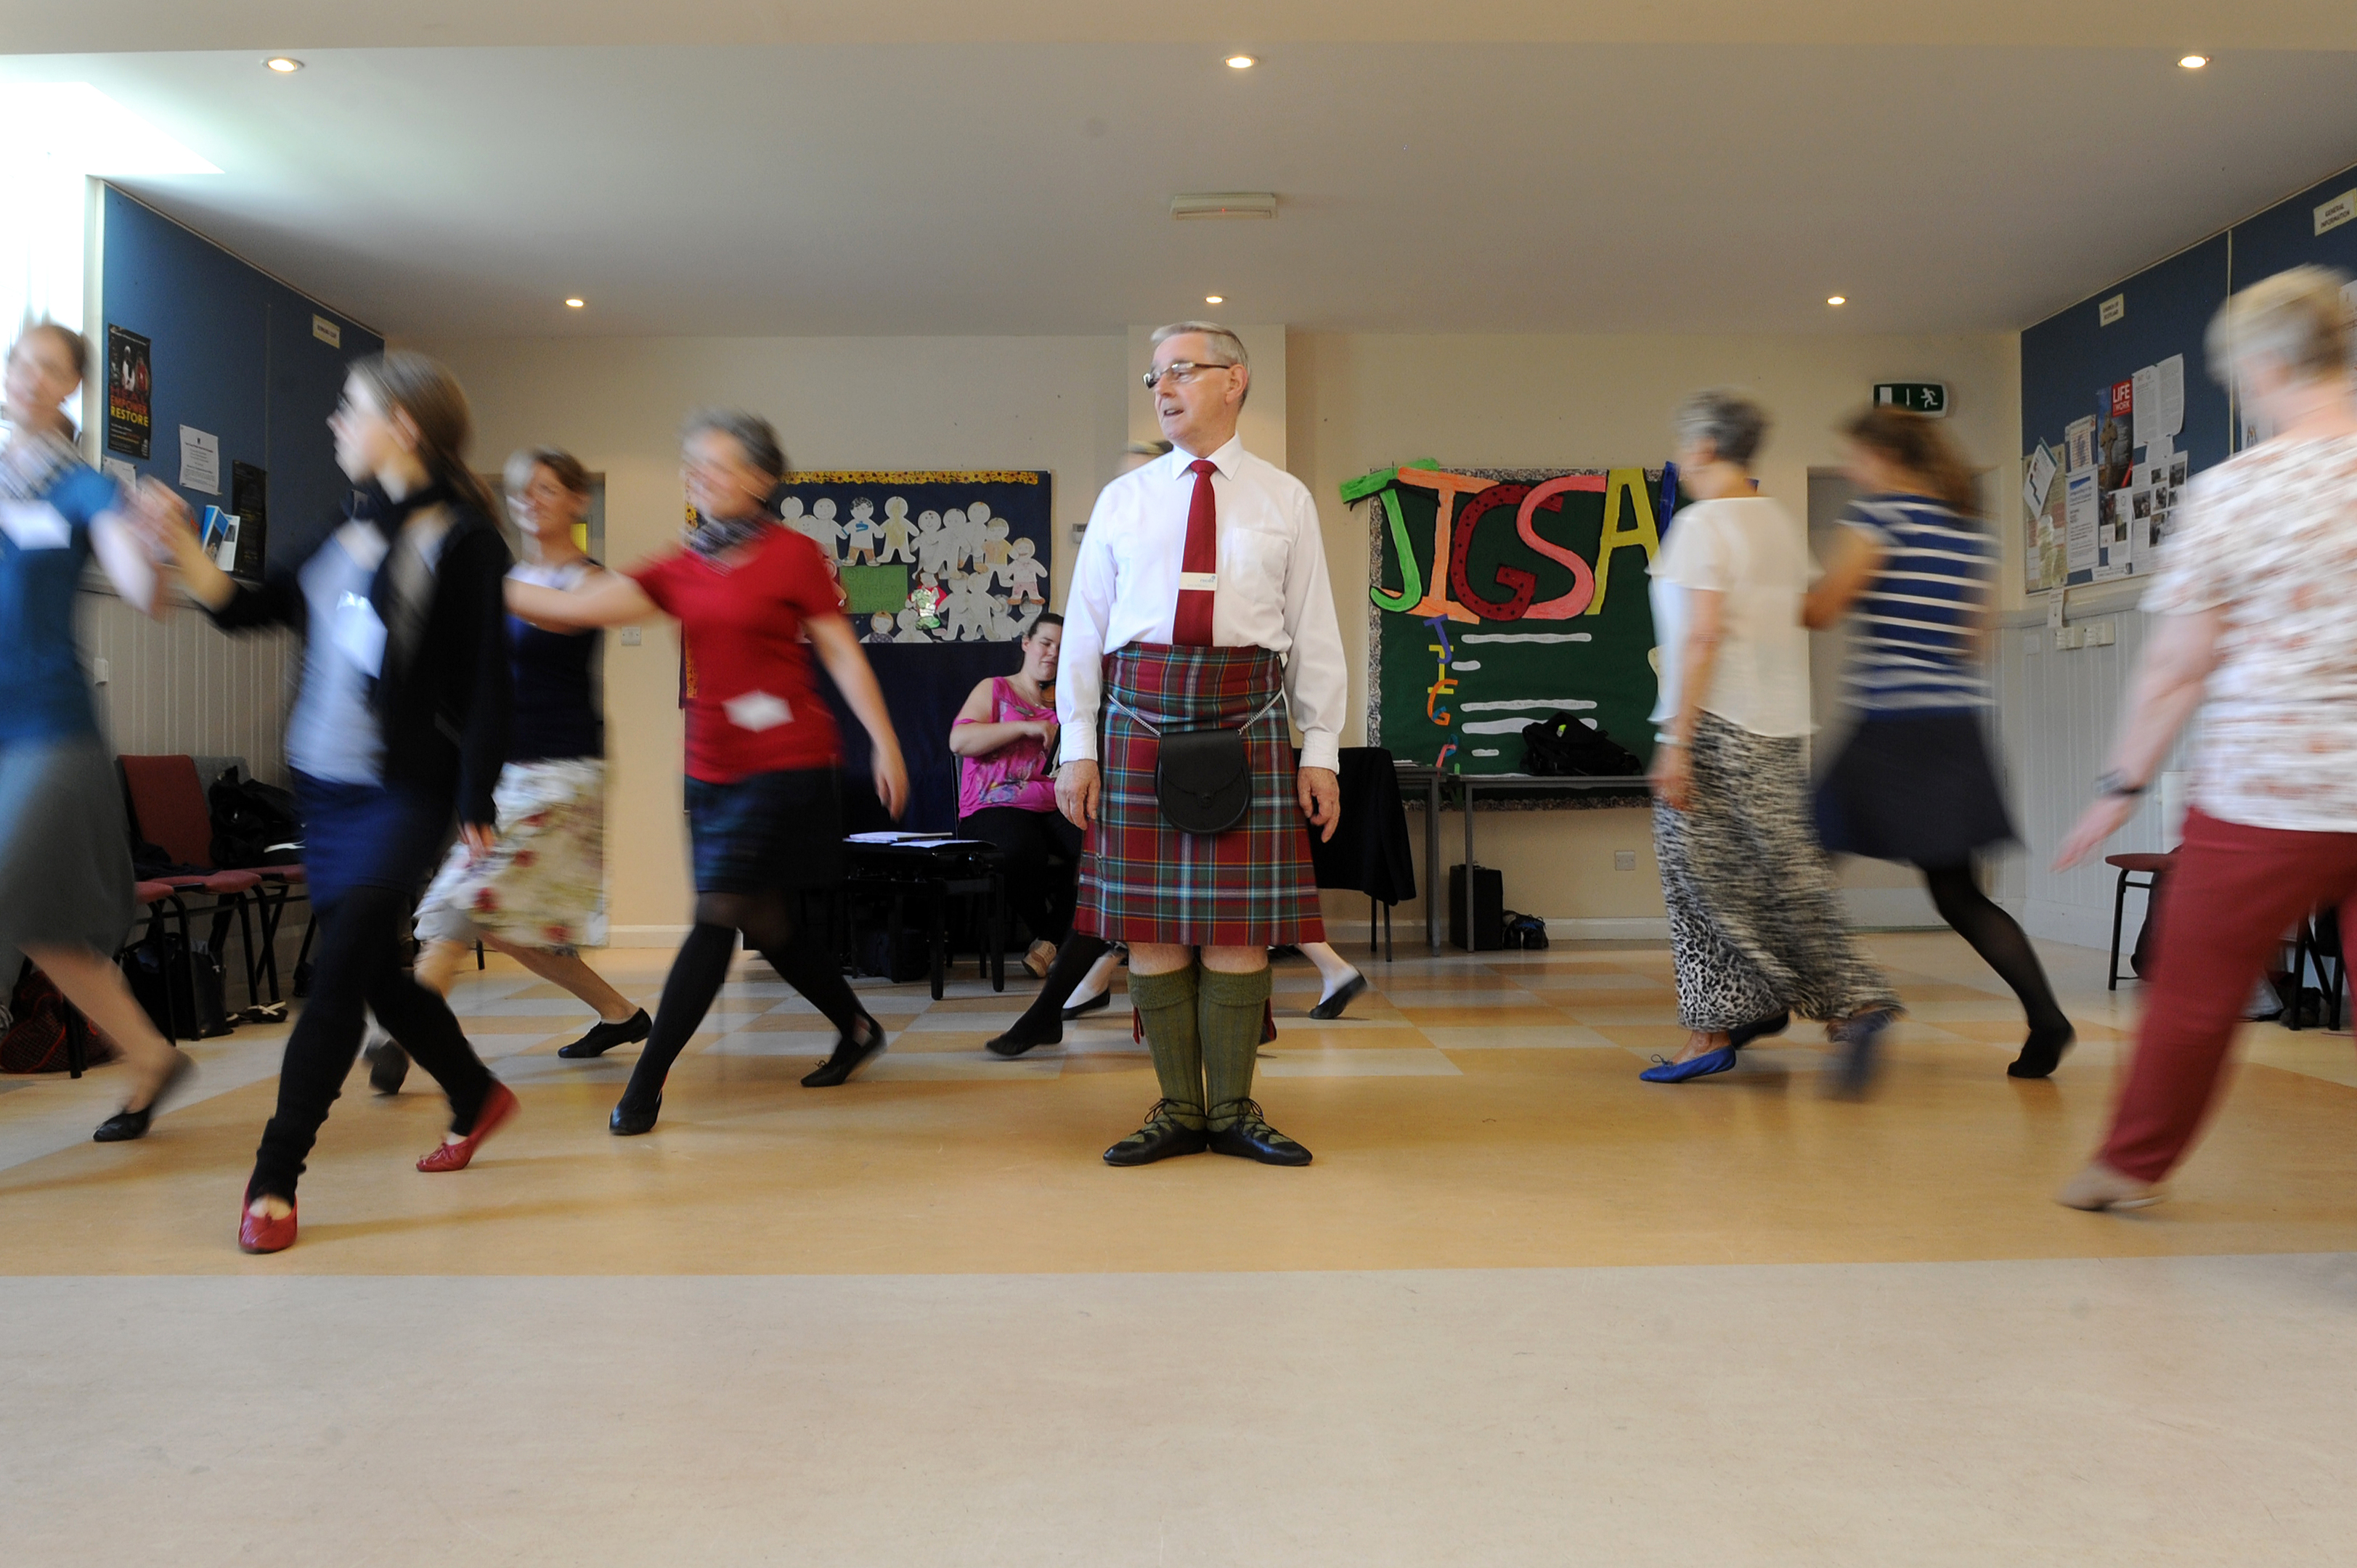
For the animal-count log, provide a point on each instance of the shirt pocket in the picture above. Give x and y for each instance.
(1257, 555)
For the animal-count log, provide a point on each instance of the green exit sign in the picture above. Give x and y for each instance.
(1918, 397)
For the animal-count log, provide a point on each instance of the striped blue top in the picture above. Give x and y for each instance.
(1912, 648)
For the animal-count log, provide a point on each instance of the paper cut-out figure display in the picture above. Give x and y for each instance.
(879, 627)
(860, 535)
(932, 544)
(1024, 572)
(898, 534)
(823, 530)
(911, 627)
(967, 527)
(994, 554)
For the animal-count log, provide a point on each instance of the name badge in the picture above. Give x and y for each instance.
(360, 634)
(1198, 582)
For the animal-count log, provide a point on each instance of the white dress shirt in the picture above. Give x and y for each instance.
(1272, 592)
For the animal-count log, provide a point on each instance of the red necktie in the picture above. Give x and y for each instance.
(1198, 569)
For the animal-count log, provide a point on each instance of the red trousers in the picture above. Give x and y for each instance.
(2225, 905)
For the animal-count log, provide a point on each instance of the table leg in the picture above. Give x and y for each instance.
(1433, 881)
(1472, 935)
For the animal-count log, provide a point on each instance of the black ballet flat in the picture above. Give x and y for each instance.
(1333, 1006)
(1019, 1040)
(1097, 1004)
(605, 1037)
(2041, 1053)
(1743, 1034)
(124, 1125)
(627, 1120)
(850, 1055)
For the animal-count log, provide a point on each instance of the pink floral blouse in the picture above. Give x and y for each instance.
(1017, 774)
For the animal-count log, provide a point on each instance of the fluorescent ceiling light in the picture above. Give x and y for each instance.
(1836, 299)
(1215, 299)
(81, 128)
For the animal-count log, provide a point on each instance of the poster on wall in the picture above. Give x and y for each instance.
(1501, 598)
(130, 413)
(943, 572)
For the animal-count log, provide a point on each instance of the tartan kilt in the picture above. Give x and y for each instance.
(1142, 880)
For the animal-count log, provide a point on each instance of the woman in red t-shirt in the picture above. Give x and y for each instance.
(761, 745)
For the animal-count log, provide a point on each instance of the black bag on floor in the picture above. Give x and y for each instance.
(161, 985)
(40, 1026)
(899, 965)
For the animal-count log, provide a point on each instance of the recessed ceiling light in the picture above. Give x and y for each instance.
(1215, 299)
(1836, 299)
(1241, 62)
(284, 65)
(575, 303)
(2194, 62)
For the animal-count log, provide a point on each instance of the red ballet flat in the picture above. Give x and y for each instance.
(259, 1234)
(499, 1106)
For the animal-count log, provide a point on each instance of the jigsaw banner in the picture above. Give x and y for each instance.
(1500, 597)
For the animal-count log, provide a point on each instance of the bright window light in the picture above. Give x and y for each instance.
(75, 127)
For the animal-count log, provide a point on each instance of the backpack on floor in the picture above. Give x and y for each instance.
(41, 1024)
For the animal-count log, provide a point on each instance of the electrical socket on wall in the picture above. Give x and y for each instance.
(1624, 860)
(630, 637)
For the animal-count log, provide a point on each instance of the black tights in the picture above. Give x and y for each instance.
(1997, 939)
(696, 974)
(359, 962)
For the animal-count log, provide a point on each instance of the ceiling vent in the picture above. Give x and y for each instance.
(1225, 204)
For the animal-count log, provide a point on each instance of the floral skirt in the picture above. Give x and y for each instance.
(543, 883)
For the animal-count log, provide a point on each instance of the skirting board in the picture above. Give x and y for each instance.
(645, 936)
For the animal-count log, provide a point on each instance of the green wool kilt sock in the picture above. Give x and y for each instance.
(1231, 1012)
(1166, 1003)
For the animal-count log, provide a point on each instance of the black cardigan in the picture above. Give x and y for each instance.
(445, 713)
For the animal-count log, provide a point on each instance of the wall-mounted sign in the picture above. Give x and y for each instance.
(130, 415)
(328, 332)
(2111, 310)
(1916, 397)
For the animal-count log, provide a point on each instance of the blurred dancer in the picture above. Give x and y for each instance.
(400, 722)
(1914, 783)
(1754, 925)
(539, 892)
(762, 752)
(65, 848)
(2254, 626)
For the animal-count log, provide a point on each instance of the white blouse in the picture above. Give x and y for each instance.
(1273, 592)
(1748, 549)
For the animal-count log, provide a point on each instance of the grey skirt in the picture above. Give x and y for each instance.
(65, 848)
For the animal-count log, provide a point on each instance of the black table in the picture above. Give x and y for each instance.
(1469, 786)
(937, 870)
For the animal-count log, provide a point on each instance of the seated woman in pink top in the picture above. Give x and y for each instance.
(1005, 736)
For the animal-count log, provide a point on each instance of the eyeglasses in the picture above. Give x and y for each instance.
(1181, 370)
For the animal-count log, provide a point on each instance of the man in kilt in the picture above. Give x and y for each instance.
(1200, 601)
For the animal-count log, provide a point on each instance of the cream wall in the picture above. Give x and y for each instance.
(1356, 402)
(873, 402)
(1340, 405)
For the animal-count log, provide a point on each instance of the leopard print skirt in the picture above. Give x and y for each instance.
(1755, 926)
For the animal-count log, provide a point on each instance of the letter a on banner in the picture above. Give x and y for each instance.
(1633, 525)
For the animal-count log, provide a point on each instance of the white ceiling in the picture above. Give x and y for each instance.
(1012, 188)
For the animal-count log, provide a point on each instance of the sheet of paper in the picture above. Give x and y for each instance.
(2083, 513)
(200, 460)
(2168, 418)
(2079, 435)
(2112, 538)
(2038, 476)
(119, 470)
(2147, 408)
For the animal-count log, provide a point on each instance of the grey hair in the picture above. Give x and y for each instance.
(1224, 343)
(2296, 317)
(756, 437)
(1731, 422)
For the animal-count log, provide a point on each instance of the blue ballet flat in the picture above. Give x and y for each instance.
(1702, 1066)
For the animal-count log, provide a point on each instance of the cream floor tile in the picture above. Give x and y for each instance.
(1566, 1037)
(1370, 1062)
(1459, 996)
